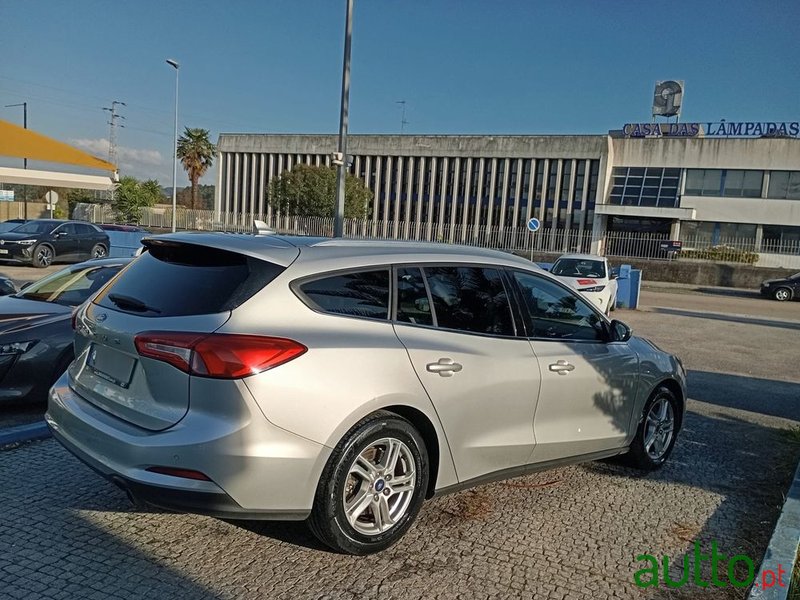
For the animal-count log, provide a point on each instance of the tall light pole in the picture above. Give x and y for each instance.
(341, 158)
(24, 106)
(175, 64)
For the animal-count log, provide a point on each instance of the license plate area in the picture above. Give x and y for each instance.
(111, 365)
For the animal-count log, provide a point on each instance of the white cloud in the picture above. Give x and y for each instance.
(138, 162)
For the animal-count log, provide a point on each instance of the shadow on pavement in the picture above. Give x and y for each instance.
(762, 396)
(730, 318)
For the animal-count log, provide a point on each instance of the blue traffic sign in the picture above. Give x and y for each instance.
(534, 224)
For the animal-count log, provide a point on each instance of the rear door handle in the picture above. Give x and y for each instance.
(562, 367)
(444, 367)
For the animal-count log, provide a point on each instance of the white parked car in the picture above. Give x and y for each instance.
(591, 275)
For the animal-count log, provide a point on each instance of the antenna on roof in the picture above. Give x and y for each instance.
(261, 228)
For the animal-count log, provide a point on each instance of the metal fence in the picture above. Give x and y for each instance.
(513, 239)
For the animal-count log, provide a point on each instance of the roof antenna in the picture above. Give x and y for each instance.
(261, 228)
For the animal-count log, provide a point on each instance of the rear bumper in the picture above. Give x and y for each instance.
(256, 470)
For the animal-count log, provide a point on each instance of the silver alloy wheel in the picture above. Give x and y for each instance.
(380, 486)
(99, 251)
(781, 294)
(44, 255)
(659, 428)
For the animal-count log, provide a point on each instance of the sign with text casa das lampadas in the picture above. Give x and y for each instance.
(786, 129)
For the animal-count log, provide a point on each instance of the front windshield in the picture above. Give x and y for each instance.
(36, 227)
(579, 267)
(70, 287)
(8, 226)
(795, 276)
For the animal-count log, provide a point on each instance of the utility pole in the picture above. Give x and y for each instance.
(341, 156)
(112, 136)
(24, 106)
(403, 121)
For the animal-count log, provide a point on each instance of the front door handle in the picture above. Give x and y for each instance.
(562, 367)
(444, 367)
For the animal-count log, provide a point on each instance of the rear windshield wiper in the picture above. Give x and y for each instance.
(131, 303)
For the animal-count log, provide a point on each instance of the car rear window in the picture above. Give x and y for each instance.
(358, 294)
(184, 279)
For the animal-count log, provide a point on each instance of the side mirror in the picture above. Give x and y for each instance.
(619, 331)
(613, 275)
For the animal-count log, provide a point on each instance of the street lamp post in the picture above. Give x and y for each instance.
(24, 106)
(338, 223)
(175, 64)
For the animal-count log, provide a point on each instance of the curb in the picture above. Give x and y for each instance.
(782, 549)
(24, 433)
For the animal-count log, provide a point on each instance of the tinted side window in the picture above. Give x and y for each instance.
(361, 294)
(413, 305)
(555, 312)
(84, 229)
(68, 228)
(470, 299)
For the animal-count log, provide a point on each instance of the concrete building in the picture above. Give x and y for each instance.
(670, 180)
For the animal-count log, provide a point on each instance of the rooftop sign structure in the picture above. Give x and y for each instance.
(784, 129)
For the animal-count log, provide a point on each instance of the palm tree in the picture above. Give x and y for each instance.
(197, 154)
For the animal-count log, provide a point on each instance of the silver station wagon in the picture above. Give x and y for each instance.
(344, 382)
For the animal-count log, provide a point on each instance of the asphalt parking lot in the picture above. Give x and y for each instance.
(568, 533)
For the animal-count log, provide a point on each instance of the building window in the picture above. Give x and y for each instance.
(577, 196)
(742, 184)
(784, 185)
(781, 238)
(636, 186)
(703, 182)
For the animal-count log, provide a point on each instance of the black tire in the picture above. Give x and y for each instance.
(328, 520)
(98, 251)
(782, 294)
(638, 456)
(43, 256)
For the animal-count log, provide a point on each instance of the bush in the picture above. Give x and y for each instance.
(722, 253)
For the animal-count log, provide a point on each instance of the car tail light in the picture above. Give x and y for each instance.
(218, 355)
(586, 281)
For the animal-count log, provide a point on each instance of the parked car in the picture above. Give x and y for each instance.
(784, 289)
(44, 241)
(10, 224)
(35, 331)
(591, 275)
(127, 228)
(345, 381)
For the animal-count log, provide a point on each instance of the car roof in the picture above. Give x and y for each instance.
(582, 256)
(284, 249)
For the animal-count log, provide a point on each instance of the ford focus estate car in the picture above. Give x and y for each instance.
(344, 382)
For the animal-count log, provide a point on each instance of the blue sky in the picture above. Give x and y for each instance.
(463, 66)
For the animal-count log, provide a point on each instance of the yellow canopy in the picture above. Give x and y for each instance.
(24, 143)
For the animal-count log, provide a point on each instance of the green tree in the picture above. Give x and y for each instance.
(196, 153)
(309, 191)
(131, 196)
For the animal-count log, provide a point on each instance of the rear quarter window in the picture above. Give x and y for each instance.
(184, 279)
(357, 294)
